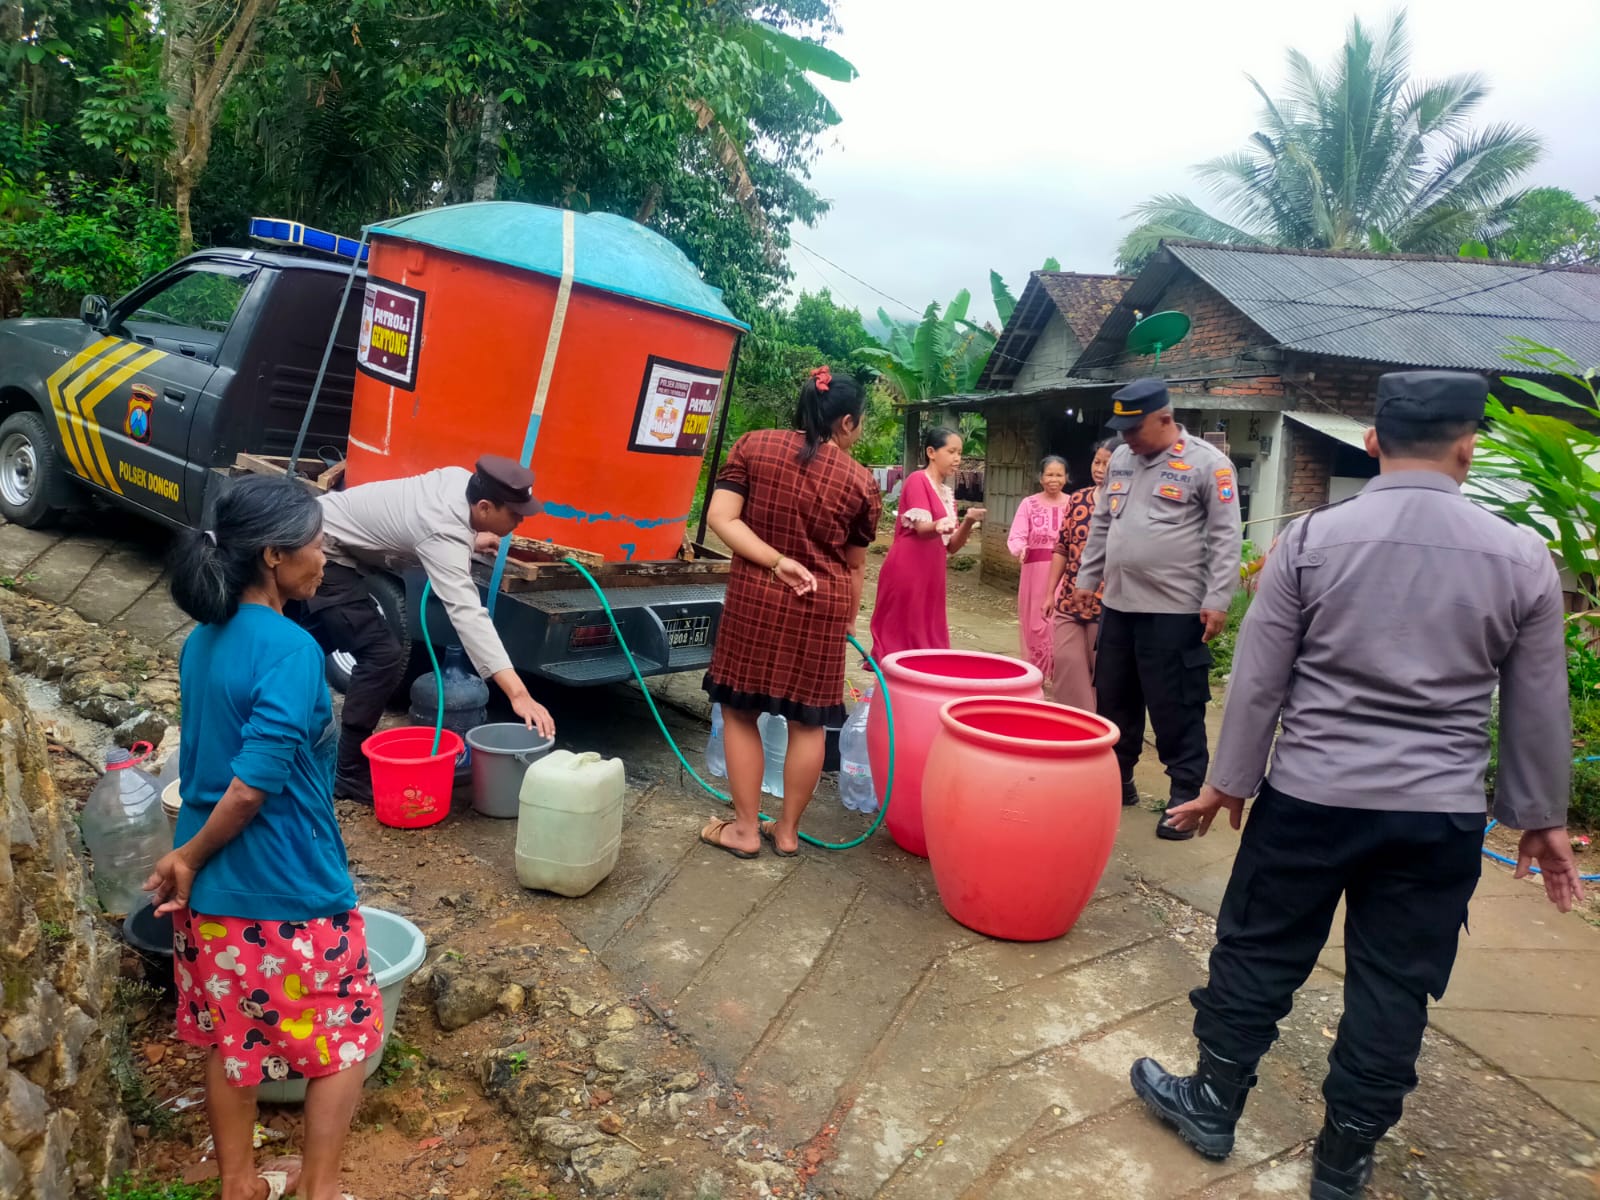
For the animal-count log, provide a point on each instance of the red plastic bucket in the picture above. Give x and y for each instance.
(411, 785)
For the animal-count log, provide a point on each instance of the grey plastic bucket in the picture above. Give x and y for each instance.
(395, 949)
(501, 756)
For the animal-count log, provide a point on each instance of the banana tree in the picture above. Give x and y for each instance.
(1556, 461)
(1004, 302)
(941, 355)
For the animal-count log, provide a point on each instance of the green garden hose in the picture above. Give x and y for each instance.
(883, 692)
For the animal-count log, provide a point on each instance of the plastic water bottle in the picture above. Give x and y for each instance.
(716, 756)
(775, 748)
(466, 703)
(855, 770)
(126, 831)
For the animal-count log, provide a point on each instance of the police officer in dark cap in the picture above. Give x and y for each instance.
(1166, 544)
(1381, 629)
(437, 520)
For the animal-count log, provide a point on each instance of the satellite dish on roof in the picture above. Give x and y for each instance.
(1157, 332)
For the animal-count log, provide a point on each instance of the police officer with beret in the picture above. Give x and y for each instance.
(437, 520)
(1381, 628)
(1166, 544)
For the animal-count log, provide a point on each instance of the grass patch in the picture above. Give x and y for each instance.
(399, 1056)
(131, 1188)
(132, 1003)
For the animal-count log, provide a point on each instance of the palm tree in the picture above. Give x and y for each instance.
(1356, 157)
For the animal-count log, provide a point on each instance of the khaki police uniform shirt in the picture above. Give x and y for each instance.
(1166, 539)
(426, 518)
(1380, 630)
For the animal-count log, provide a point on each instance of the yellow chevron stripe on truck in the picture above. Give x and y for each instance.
(101, 368)
(58, 403)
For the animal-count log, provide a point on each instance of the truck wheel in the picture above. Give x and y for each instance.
(30, 472)
(390, 595)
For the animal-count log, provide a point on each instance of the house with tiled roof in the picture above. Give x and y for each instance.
(1279, 367)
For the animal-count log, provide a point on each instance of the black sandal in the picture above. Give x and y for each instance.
(771, 839)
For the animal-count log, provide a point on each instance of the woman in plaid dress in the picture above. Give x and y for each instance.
(798, 513)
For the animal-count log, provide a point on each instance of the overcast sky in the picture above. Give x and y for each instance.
(995, 134)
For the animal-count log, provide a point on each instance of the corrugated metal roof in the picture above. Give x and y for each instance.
(1341, 428)
(1406, 311)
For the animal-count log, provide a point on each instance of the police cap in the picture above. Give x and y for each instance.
(507, 482)
(1428, 396)
(1132, 404)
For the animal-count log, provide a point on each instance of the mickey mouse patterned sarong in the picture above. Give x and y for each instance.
(277, 999)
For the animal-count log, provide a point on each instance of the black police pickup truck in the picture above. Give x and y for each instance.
(142, 401)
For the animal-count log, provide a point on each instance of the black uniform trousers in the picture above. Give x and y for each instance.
(1156, 661)
(345, 617)
(1405, 877)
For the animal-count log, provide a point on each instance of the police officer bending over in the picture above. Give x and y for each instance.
(1381, 628)
(438, 520)
(1166, 543)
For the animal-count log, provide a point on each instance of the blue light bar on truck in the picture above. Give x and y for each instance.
(292, 233)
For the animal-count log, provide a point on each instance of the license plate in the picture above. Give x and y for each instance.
(688, 631)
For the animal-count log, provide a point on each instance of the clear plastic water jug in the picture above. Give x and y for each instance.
(466, 703)
(569, 828)
(855, 770)
(126, 831)
(774, 749)
(716, 753)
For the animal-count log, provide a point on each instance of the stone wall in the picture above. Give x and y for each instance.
(62, 1134)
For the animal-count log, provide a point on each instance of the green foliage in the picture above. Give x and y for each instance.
(72, 238)
(1223, 644)
(941, 355)
(699, 120)
(131, 1187)
(1555, 459)
(1356, 157)
(399, 1056)
(1547, 225)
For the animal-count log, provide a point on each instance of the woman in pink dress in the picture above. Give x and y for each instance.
(909, 613)
(1033, 537)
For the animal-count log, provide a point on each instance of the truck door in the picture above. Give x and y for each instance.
(131, 431)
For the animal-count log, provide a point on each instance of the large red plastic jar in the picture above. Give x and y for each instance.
(1021, 799)
(921, 682)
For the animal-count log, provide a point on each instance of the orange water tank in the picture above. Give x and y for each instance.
(471, 311)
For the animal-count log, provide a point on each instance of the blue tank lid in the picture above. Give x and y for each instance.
(610, 253)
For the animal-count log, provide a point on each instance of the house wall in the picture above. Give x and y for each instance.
(1010, 468)
(1055, 350)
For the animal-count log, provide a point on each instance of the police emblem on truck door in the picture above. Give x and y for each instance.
(137, 423)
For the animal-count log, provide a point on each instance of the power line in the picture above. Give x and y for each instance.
(857, 278)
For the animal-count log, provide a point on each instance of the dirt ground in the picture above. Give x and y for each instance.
(467, 1113)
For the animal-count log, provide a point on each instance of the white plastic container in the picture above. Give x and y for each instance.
(126, 831)
(569, 829)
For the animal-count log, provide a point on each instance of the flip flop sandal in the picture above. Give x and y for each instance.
(711, 835)
(771, 838)
(277, 1183)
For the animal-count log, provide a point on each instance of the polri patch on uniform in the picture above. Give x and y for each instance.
(1170, 491)
(140, 405)
(1116, 504)
(1225, 486)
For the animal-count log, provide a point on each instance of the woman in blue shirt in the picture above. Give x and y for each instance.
(270, 951)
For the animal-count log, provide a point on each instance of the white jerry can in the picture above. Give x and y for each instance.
(569, 823)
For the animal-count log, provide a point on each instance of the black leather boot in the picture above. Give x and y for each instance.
(1130, 793)
(1203, 1107)
(1342, 1163)
(352, 777)
(1163, 830)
